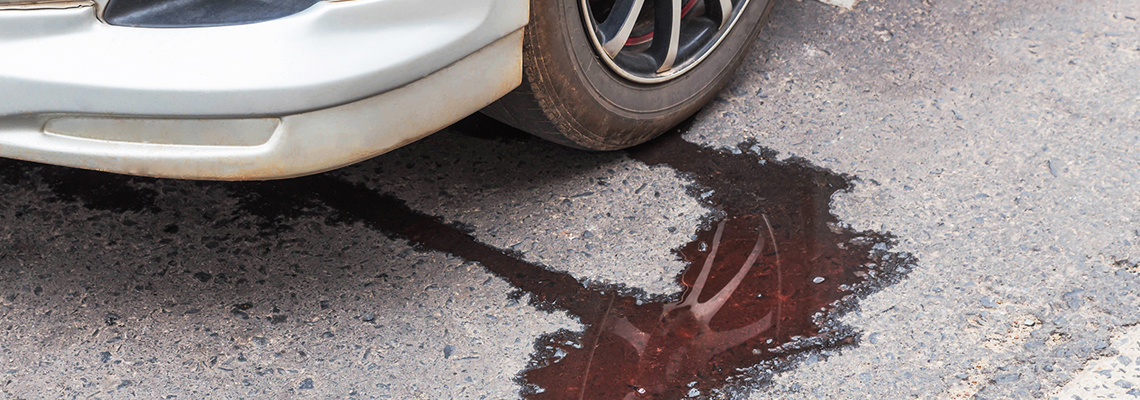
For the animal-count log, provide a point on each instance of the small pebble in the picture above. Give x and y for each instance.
(307, 383)
(818, 279)
(448, 351)
(243, 306)
(1006, 378)
(368, 317)
(1074, 299)
(203, 277)
(811, 359)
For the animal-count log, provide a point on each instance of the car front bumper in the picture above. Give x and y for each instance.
(338, 83)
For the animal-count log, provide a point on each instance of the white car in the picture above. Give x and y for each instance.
(265, 89)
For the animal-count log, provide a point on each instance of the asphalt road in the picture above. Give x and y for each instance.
(945, 194)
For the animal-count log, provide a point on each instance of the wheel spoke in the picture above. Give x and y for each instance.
(615, 30)
(644, 40)
(666, 33)
(720, 10)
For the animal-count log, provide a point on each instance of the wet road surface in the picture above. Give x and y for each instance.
(908, 200)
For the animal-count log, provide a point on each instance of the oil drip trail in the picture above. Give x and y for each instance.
(785, 305)
(355, 202)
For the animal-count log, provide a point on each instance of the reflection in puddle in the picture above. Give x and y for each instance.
(662, 350)
(767, 277)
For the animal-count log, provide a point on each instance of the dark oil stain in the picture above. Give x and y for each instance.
(95, 190)
(100, 191)
(351, 203)
(12, 172)
(768, 274)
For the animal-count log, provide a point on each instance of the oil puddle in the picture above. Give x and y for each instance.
(769, 273)
(767, 279)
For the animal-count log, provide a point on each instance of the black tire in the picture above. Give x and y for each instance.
(569, 96)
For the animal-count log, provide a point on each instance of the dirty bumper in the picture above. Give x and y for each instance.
(254, 129)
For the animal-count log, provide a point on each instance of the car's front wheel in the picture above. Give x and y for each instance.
(609, 74)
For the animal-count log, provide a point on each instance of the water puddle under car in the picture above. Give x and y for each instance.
(769, 272)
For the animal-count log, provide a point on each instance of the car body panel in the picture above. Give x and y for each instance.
(299, 144)
(67, 61)
(334, 84)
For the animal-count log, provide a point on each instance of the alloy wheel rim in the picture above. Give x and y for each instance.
(653, 41)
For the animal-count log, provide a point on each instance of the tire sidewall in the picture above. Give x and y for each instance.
(620, 112)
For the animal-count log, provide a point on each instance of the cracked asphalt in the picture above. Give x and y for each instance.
(996, 141)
